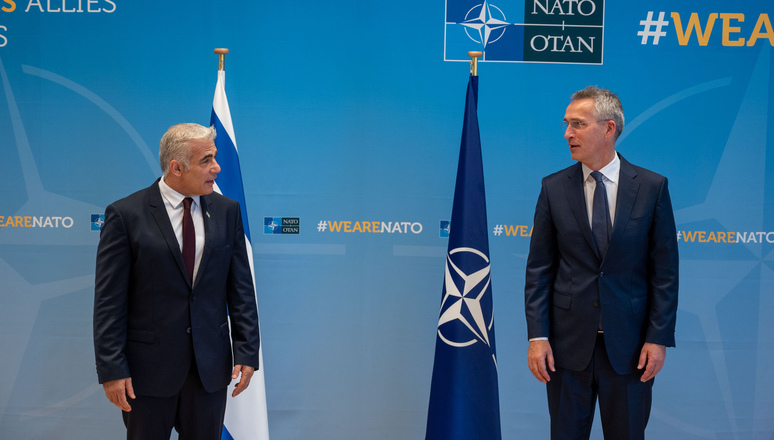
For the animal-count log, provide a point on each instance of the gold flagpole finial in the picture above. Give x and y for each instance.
(474, 62)
(221, 58)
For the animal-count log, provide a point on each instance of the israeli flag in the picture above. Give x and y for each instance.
(464, 395)
(246, 416)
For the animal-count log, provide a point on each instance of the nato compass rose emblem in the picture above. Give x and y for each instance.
(270, 225)
(466, 309)
(482, 26)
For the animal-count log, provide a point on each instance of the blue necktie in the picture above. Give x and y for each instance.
(600, 216)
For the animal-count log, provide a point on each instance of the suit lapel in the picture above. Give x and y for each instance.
(159, 213)
(573, 188)
(208, 232)
(627, 194)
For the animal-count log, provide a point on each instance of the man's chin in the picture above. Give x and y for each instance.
(574, 154)
(208, 189)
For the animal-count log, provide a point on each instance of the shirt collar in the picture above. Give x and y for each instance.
(610, 171)
(174, 198)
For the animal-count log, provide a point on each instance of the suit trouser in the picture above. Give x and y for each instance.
(193, 412)
(624, 401)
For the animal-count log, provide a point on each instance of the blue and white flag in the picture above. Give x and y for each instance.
(464, 396)
(246, 416)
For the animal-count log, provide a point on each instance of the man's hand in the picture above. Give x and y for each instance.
(652, 359)
(247, 374)
(540, 356)
(117, 390)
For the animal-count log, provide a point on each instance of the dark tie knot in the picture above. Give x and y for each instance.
(187, 203)
(597, 176)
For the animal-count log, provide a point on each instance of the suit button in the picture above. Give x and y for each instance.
(596, 303)
(601, 274)
(188, 330)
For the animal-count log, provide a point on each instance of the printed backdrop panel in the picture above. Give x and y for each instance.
(349, 124)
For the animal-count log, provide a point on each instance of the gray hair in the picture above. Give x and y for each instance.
(174, 143)
(606, 104)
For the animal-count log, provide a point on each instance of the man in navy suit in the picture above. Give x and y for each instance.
(600, 306)
(174, 297)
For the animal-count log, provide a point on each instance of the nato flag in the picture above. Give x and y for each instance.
(464, 397)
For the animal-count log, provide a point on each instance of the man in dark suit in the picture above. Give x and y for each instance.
(601, 281)
(173, 282)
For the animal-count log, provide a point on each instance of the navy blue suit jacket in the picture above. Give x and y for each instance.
(149, 323)
(634, 288)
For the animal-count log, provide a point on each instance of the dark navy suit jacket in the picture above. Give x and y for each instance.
(149, 323)
(634, 288)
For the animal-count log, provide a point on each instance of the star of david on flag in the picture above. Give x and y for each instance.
(464, 395)
(246, 415)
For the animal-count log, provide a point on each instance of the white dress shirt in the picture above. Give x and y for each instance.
(610, 173)
(173, 202)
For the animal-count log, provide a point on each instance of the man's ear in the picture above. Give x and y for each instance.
(610, 131)
(175, 167)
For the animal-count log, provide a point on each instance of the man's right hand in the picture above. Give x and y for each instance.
(540, 358)
(117, 390)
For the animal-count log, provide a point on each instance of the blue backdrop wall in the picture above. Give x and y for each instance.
(348, 112)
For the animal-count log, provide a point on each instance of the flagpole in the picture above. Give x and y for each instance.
(473, 63)
(464, 394)
(222, 58)
(246, 417)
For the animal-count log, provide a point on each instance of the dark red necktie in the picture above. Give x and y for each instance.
(189, 238)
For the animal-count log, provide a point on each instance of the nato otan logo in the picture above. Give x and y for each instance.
(281, 225)
(97, 220)
(445, 228)
(466, 316)
(542, 31)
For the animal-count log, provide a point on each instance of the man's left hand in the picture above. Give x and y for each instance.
(247, 374)
(652, 359)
